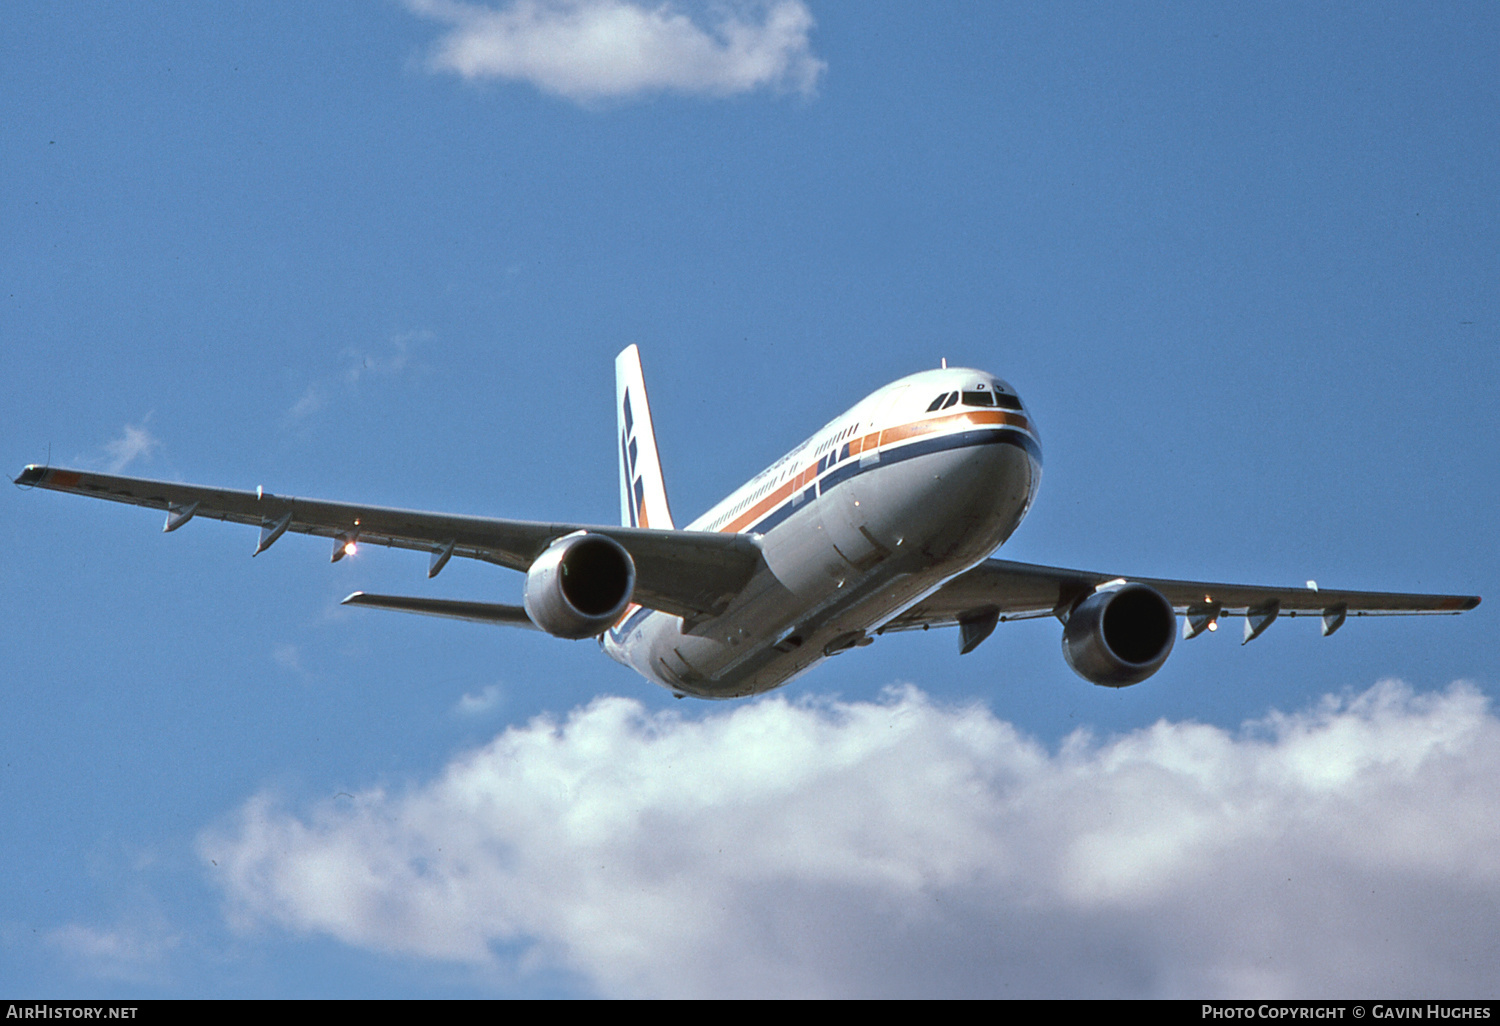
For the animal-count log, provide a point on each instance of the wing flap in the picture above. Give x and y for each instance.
(685, 573)
(1019, 590)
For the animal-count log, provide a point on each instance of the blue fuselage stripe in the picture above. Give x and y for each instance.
(928, 446)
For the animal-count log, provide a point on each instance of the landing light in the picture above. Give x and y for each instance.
(1213, 625)
(344, 545)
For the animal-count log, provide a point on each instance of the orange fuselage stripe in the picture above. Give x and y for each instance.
(971, 418)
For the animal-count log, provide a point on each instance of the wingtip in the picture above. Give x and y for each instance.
(31, 475)
(353, 597)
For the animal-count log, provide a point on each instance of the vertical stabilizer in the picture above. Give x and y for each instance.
(643, 493)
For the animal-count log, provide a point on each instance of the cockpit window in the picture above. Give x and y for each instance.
(978, 397)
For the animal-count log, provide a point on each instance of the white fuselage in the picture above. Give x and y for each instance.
(912, 486)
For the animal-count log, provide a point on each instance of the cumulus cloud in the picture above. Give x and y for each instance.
(589, 50)
(899, 847)
(133, 444)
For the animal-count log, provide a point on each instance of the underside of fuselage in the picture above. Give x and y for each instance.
(867, 541)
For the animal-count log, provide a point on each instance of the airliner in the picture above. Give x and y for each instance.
(884, 520)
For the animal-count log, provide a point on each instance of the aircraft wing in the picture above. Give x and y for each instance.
(684, 573)
(1005, 590)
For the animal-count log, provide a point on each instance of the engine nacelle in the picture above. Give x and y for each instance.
(1119, 635)
(579, 586)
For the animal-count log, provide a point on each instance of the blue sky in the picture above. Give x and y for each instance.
(1240, 263)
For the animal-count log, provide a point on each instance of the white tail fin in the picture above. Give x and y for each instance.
(643, 493)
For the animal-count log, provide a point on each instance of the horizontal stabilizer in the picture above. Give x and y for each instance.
(479, 612)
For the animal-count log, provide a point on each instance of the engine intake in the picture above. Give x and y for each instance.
(1119, 635)
(579, 586)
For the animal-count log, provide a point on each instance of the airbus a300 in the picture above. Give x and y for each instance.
(884, 520)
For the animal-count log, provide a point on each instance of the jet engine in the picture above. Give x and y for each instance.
(1119, 635)
(579, 586)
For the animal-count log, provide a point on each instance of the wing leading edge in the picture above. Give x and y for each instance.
(999, 589)
(684, 573)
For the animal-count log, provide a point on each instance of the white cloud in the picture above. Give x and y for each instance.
(310, 403)
(133, 444)
(589, 50)
(902, 848)
(393, 362)
(478, 703)
(132, 952)
(359, 365)
(289, 657)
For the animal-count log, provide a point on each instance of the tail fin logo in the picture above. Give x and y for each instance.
(643, 494)
(630, 453)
